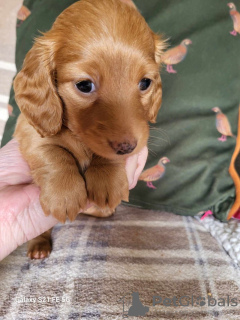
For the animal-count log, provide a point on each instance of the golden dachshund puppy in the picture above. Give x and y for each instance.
(86, 91)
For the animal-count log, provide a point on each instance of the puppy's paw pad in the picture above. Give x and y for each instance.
(39, 251)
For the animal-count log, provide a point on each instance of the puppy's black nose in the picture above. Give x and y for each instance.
(123, 147)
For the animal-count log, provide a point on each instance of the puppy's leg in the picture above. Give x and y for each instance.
(63, 192)
(41, 246)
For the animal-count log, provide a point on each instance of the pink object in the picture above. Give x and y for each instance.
(170, 69)
(13, 169)
(135, 165)
(222, 138)
(207, 213)
(234, 33)
(150, 185)
(237, 215)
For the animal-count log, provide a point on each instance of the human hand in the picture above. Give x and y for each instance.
(21, 215)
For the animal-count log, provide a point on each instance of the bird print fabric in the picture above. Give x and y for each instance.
(176, 55)
(154, 173)
(235, 15)
(222, 124)
(22, 15)
(10, 110)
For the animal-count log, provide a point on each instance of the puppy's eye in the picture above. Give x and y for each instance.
(144, 84)
(85, 86)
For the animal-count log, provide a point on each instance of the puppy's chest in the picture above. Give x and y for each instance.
(83, 162)
(80, 152)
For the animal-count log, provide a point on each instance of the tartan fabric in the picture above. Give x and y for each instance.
(96, 262)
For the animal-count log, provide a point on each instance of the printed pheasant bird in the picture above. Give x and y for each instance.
(10, 110)
(176, 55)
(22, 14)
(235, 15)
(154, 173)
(223, 125)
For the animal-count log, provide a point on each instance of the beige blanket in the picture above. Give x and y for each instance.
(138, 257)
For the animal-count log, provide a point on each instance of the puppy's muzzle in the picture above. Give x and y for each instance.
(124, 147)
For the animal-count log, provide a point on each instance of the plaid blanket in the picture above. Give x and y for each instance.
(99, 268)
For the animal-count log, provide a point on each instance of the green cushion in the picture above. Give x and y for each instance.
(196, 178)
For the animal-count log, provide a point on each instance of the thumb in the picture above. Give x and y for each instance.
(21, 217)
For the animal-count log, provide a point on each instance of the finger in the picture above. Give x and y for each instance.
(21, 217)
(131, 166)
(141, 161)
(14, 169)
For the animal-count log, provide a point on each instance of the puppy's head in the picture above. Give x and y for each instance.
(97, 73)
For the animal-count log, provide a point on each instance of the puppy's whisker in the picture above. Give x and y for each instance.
(161, 141)
(152, 152)
(158, 129)
(157, 138)
(162, 132)
(153, 144)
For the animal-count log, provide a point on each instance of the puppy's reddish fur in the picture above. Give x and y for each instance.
(64, 134)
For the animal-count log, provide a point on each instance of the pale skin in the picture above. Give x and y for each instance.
(21, 215)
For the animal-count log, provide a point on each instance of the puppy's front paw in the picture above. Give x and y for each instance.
(63, 196)
(107, 185)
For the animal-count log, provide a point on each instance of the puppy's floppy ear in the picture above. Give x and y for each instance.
(160, 46)
(130, 3)
(156, 102)
(35, 90)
